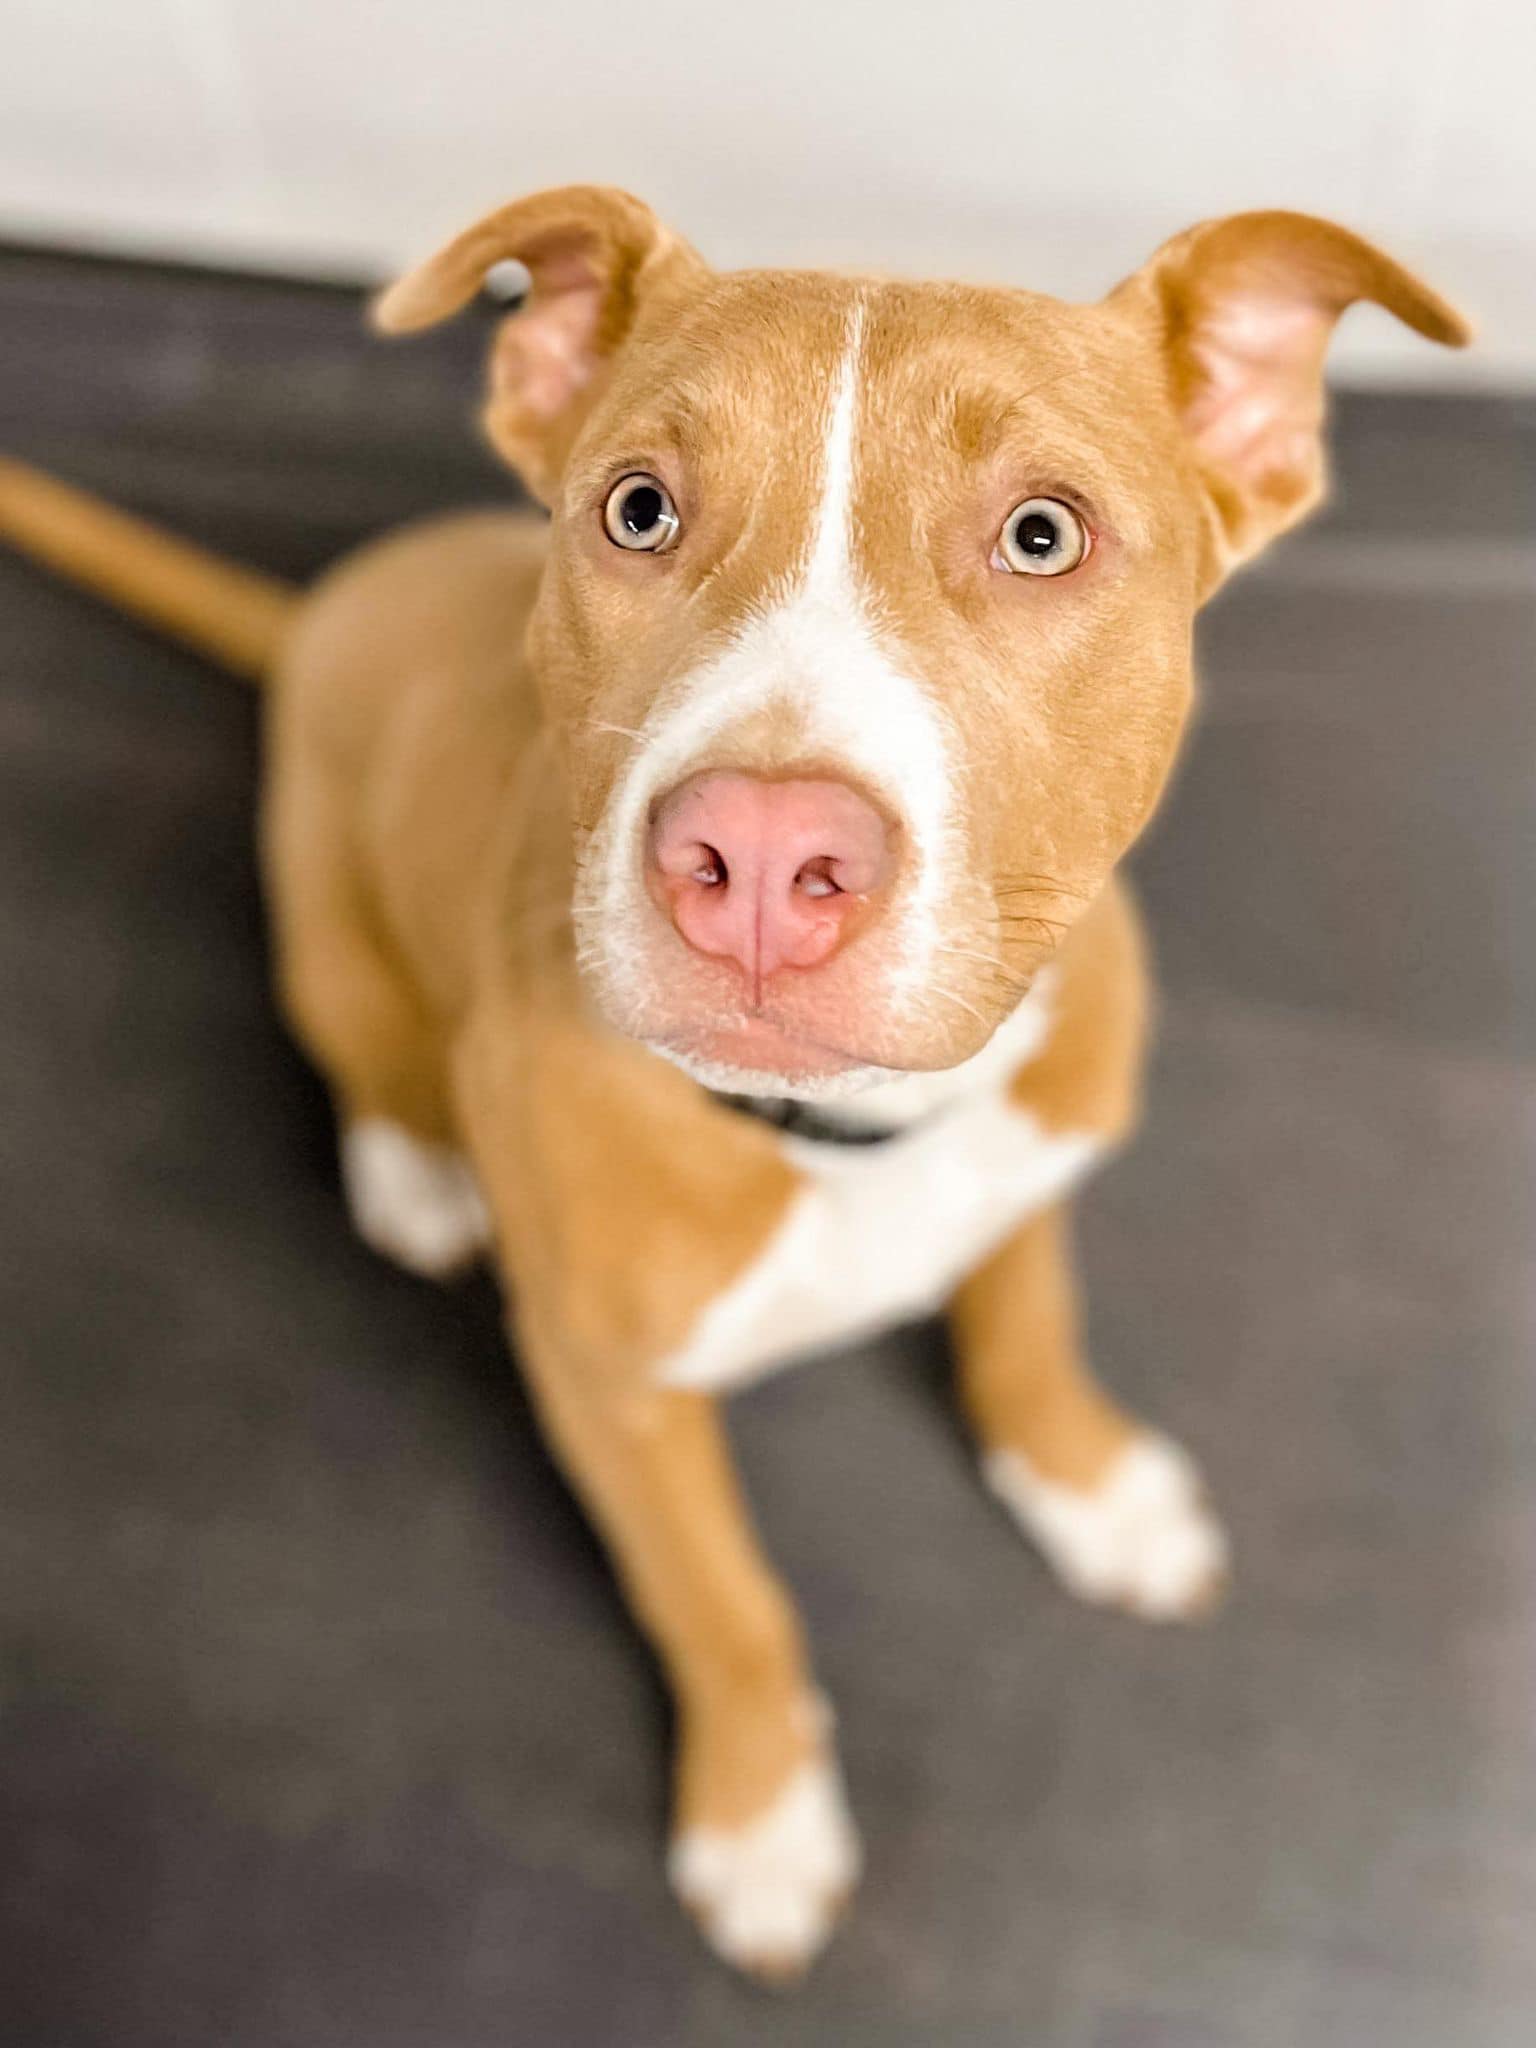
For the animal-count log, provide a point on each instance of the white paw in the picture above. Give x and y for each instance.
(767, 1895)
(414, 1202)
(1144, 1539)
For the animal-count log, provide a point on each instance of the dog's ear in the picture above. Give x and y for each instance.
(593, 256)
(1242, 310)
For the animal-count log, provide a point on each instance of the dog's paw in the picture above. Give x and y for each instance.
(768, 1894)
(1145, 1539)
(416, 1203)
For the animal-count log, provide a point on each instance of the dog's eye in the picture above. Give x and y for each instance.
(1041, 537)
(640, 515)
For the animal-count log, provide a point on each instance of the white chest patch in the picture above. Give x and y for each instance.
(880, 1234)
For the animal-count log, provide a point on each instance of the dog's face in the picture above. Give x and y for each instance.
(866, 628)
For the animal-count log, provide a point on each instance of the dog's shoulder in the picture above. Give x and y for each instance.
(444, 598)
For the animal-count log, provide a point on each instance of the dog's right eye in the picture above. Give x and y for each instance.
(640, 515)
(1041, 537)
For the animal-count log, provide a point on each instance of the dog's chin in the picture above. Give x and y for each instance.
(759, 1059)
(821, 1052)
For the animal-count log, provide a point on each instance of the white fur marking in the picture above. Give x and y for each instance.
(416, 1203)
(878, 1235)
(829, 577)
(768, 1893)
(1144, 1540)
(816, 650)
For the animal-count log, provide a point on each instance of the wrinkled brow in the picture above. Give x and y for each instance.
(984, 419)
(700, 417)
(1029, 436)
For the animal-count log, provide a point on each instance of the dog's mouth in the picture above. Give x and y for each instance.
(817, 1050)
(759, 1057)
(877, 1009)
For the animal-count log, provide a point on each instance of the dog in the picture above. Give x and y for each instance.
(707, 900)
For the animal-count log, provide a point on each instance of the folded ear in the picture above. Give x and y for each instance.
(593, 256)
(1243, 309)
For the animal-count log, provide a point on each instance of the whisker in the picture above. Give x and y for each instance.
(1033, 919)
(1037, 885)
(970, 953)
(998, 978)
(950, 997)
(626, 732)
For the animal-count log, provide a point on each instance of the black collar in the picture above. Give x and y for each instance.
(805, 1120)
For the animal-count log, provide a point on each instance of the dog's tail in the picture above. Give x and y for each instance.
(237, 616)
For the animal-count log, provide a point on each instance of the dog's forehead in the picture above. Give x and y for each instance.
(754, 355)
(745, 375)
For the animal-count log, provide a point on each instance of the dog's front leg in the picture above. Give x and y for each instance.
(621, 1201)
(763, 1852)
(1118, 1510)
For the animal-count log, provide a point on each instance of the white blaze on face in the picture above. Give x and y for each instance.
(817, 650)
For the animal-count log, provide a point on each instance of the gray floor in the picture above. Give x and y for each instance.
(321, 1723)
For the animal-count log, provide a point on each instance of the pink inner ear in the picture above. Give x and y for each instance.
(545, 354)
(1256, 411)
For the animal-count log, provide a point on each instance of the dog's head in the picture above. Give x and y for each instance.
(866, 626)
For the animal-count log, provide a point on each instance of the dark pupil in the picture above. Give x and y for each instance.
(641, 510)
(1037, 534)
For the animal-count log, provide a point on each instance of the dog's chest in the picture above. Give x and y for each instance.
(878, 1234)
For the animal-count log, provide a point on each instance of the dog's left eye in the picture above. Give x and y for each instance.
(640, 515)
(1041, 537)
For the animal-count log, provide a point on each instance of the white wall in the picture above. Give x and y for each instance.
(1051, 143)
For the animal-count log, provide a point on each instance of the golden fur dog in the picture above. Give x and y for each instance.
(790, 761)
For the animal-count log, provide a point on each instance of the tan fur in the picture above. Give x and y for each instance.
(1023, 1380)
(455, 708)
(235, 615)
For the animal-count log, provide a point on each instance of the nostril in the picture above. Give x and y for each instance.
(817, 879)
(711, 870)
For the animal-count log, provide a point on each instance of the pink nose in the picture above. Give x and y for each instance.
(768, 874)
